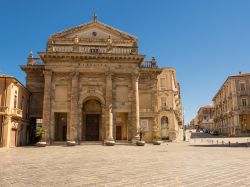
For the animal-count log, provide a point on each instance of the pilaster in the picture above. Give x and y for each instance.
(135, 107)
(47, 105)
(109, 138)
(74, 116)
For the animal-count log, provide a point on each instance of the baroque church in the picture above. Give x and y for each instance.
(91, 84)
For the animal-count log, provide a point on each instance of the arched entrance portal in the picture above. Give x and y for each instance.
(92, 121)
(164, 128)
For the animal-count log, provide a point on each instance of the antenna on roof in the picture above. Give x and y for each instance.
(94, 17)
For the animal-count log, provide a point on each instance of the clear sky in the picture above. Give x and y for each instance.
(205, 40)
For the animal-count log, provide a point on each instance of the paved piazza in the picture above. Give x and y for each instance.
(170, 164)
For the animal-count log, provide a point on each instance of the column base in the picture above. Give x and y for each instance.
(140, 143)
(41, 144)
(135, 139)
(109, 142)
(71, 143)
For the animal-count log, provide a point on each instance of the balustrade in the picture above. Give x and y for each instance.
(95, 49)
(17, 112)
(4, 110)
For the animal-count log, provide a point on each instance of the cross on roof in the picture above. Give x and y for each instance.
(94, 17)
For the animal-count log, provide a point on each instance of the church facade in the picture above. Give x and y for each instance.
(91, 84)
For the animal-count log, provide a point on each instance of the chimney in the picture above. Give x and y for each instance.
(239, 72)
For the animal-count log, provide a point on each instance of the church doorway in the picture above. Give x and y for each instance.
(60, 126)
(121, 130)
(92, 126)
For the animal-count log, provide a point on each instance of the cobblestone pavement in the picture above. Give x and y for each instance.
(172, 164)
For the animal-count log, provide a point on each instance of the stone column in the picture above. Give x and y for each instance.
(135, 107)
(104, 135)
(74, 117)
(110, 136)
(109, 139)
(47, 106)
(79, 126)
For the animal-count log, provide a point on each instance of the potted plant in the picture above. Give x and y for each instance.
(157, 139)
(140, 134)
(40, 131)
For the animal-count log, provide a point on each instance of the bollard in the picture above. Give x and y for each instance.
(212, 141)
(217, 142)
(222, 142)
(229, 144)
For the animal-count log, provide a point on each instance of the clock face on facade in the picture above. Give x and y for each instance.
(94, 33)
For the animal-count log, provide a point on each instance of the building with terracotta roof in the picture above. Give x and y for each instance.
(232, 106)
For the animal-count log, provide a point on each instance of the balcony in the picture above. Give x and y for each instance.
(17, 112)
(4, 110)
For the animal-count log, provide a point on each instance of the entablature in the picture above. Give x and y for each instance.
(48, 57)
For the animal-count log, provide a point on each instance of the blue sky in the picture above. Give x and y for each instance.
(205, 40)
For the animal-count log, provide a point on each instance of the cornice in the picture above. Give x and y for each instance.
(45, 56)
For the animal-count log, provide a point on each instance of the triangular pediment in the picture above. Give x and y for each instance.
(94, 30)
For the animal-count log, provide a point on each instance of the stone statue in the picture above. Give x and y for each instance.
(109, 45)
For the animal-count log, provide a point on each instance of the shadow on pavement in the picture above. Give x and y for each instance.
(224, 145)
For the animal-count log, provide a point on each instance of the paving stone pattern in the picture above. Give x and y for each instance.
(170, 164)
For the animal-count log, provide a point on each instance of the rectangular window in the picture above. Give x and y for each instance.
(21, 103)
(242, 87)
(15, 101)
(163, 101)
(244, 102)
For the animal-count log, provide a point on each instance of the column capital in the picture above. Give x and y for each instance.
(75, 75)
(47, 72)
(135, 75)
(109, 74)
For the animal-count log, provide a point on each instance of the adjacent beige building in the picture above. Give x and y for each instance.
(205, 117)
(14, 119)
(232, 106)
(91, 84)
(194, 123)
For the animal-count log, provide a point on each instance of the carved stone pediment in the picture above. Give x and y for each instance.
(93, 30)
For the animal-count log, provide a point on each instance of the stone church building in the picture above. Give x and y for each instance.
(91, 84)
